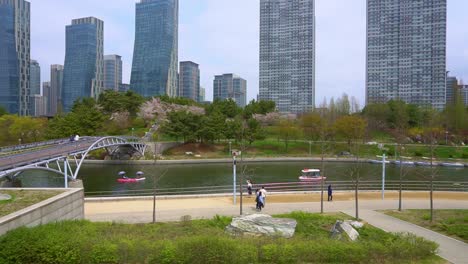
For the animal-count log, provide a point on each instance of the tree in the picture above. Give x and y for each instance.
(287, 130)
(183, 125)
(312, 125)
(212, 128)
(253, 131)
(350, 128)
(113, 102)
(258, 107)
(3, 111)
(227, 107)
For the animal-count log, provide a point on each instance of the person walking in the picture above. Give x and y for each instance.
(263, 192)
(258, 199)
(330, 193)
(249, 187)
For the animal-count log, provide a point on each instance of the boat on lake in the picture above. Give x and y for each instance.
(125, 179)
(311, 175)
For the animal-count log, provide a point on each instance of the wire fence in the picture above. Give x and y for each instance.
(298, 187)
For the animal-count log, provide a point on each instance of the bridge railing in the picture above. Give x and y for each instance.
(290, 187)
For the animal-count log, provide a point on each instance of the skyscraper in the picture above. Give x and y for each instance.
(287, 54)
(54, 99)
(46, 91)
(112, 72)
(155, 55)
(84, 60)
(35, 78)
(230, 86)
(38, 105)
(202, 95)
(15, 56)
(189, 80)
(406, 51)
(451, 89)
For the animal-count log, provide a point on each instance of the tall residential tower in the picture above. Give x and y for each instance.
(15, 56)
(84, 61)
(35, 78)
(155, 55)
(54, 99)
(406, 51)
(287, 54)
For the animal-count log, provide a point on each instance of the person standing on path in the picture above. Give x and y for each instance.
(330, 193)
(249, 187)
(263, 192)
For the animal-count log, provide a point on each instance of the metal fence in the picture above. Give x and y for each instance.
(298, 187)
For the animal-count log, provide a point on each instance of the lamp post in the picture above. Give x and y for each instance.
(234, 153)
(381, 147)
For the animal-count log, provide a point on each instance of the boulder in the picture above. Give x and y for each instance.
(355, 224)
(5, 197)
(261, 224)
(344, 227)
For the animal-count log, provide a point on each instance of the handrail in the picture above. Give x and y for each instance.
(291, 187)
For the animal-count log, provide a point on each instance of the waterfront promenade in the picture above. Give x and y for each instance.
(139, 210)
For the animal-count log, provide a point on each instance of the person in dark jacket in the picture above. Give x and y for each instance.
(330, 193)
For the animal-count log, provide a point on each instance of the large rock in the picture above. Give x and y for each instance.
(260, 224)
(343, 229)
(5, 197)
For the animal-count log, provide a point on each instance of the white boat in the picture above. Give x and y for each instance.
(378, 161)
(449, 164)
(311, 175)
(404, 163)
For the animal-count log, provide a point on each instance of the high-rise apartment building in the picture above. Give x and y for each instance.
(54, 99)
(230, 86)
(464, 94)
(15, 52)
(287, 54)
(84, 61)
(35, 78)
(189, 80)
(406, 51)
(155, 55)
(38, 105)
(112, 72)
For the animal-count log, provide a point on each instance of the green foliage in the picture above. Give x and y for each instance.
(258, 107)
(3, 111)
(183, 125)
(177, 100)
(85, 118)
(204, 241)
(288, 130)
(112, 102)
(21, 129)
(350, 127)
(227, 107)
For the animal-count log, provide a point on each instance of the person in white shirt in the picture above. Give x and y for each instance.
(264, 193)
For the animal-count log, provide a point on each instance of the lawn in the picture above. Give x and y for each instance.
(204, 241)
(22, 199)
(453, 223)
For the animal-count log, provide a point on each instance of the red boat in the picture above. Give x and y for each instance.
(311, 175)
(126, 180)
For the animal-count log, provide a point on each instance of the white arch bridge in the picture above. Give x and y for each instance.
(56, 156)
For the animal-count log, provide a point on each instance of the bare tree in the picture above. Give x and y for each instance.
(159, 173)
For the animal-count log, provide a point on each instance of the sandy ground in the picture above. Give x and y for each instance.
(129, 206)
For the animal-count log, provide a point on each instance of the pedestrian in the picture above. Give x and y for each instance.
(263, 193)
(249, 187)
(330, 193)
(259, 199)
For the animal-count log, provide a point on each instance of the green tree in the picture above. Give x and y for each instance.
(287, 130)
(253, 131)
(213, 127)
(3, 111)
(227, 107)
(350, 128)
(312, 125)
(112, 102)
(183, 125)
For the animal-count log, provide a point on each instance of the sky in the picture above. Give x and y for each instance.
(223, 37)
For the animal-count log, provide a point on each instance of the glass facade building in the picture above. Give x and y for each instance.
(83, 71)
(35, 77)
(15, 56)
(155, 55)
(287, 54)
(230, 86)
(189, 80)
(112, 72)
(406, 51)
(54, 101)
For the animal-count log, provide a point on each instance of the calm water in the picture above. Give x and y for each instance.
(98, 178)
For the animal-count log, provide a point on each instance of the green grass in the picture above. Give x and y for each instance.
(22, 199)
(453, 223)
(204, 241)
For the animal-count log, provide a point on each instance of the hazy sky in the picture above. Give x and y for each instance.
(223, 37)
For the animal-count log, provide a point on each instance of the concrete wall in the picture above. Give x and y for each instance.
(65, 206)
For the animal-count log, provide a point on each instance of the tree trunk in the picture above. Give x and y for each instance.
(356, 196)
(323, 174)
(400, 187)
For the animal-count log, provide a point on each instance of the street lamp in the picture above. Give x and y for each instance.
(381, 147)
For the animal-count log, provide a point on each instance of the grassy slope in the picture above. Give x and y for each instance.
(23, 199)
(204, 241)
(453, 223)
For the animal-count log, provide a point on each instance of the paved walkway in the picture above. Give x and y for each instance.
(450, 249)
